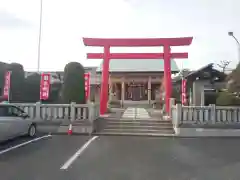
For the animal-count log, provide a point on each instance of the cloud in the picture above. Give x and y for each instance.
(9, 20)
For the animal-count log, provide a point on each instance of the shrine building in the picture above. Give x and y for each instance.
(133, 79)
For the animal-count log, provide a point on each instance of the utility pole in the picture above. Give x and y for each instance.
(39, 37)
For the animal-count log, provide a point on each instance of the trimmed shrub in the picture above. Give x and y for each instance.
(17, 82)
(74, 84)
(227, 99)
(3, 68)
(32, 88)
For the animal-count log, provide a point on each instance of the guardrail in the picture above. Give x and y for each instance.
(204, 115)
(60, 112)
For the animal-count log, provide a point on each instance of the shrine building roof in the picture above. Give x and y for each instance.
(141, 65)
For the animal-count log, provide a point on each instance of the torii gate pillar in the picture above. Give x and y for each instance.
(106, 56)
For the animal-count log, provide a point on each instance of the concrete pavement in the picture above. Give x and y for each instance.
(139, 158)
(123, 158)
(40, 160)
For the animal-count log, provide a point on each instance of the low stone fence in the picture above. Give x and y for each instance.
(62, 114)
(206, 120)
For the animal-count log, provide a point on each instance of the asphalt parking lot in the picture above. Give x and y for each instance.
(61, 157)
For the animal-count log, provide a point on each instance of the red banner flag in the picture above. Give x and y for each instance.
(184, 96)
(7, 82)
(87, 84)
(45, 86)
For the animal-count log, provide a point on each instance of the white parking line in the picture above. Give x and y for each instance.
(24, 144)
(77, 154)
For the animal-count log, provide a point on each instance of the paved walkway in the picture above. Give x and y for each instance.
(135, 113)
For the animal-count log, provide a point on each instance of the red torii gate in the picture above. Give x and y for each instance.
(130, 42)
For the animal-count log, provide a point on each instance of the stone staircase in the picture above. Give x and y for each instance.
(136, 121)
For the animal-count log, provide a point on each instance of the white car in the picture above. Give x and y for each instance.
(15, 122)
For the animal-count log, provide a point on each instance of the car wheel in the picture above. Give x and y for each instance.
(32, 130)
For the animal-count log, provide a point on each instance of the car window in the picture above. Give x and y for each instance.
(13, 111)
(21, 111)
(3, 111)
(10, 111)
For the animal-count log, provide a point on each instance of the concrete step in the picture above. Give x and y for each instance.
(134, 126)
(139, 130)
(139, 122)
(80, 123)
(137, 118)
(134, 134)
(136, 121)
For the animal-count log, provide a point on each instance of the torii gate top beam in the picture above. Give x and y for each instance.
(131, 42)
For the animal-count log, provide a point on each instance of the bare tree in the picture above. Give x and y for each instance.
(223, 65)
(185, 72)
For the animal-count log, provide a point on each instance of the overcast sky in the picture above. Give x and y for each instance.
(65, 22)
